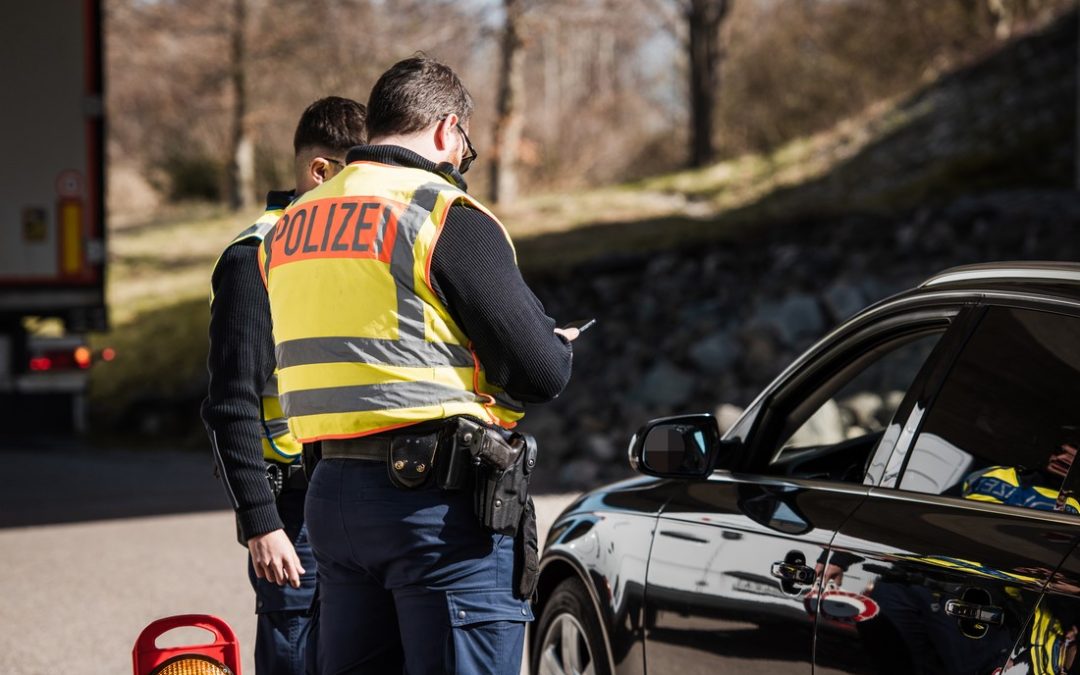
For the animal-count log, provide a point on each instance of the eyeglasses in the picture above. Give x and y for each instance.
(468, 159)
(336, 162)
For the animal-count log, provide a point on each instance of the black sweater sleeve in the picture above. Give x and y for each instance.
(473, 271)
(240, 362)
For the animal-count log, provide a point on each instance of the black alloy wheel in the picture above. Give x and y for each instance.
(567, 640)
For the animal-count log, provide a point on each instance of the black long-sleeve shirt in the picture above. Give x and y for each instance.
(241, 360)
(472, 270)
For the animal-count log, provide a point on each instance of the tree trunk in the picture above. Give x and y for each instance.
(241, 173)
(704, 18)
(509, 104)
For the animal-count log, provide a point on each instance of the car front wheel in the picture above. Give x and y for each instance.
(568, 637)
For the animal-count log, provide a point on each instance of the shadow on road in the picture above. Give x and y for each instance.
(66, 481)
(61, 480)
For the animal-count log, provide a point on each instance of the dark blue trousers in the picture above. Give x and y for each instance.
(409, 581)
(283, 623)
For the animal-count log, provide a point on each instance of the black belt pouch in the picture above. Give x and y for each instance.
(411, 459)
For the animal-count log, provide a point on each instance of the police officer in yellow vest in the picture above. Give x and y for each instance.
(399, 312)
(257, 457)
(1038, 488)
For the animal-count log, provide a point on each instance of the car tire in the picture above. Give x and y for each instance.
(568, 639)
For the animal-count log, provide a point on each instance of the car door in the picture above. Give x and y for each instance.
(941, 568)
(734, 556)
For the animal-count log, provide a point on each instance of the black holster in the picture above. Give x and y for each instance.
(310, 455)
(502, 494)
(497, 467)
(501, 467)
(527, 554)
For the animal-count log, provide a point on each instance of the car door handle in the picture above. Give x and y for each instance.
(674, 534)
(793, 573)
(970, 611)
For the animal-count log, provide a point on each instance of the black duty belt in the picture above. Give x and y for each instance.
(373, 449)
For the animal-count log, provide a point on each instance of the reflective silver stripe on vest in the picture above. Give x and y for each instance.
(257, 230)
(251, 231)
(410, 308)
(267, 244)
(369, 397)
(270, 388)
(373, 351)
(276, 427)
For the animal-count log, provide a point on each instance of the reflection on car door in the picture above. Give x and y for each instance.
(714, 592)
(922, 585)
(734, 558)
(941, 569)
(1048, 644)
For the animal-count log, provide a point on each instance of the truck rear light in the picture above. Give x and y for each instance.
(79, 358)
(108, 354)
(82, 357)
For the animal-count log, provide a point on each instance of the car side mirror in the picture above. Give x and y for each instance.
(685, 446)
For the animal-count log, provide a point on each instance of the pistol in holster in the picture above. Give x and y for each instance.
(496, 465)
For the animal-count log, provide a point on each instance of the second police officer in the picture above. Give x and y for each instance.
(248, 431)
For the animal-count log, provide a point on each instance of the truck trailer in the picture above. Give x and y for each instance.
(52, 210)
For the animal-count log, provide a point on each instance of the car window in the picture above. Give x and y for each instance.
(832, 432)
(1006, 424)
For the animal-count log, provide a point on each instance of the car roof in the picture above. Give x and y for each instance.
(1060, 279)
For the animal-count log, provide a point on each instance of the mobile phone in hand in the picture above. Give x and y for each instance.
(582, 325)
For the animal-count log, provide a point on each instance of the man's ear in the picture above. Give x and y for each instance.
(319, 169)
(444, 132)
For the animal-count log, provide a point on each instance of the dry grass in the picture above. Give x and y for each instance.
(152, 264)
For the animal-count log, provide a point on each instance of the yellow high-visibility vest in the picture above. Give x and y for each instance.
(1002, 485)
(363, 342)
(1046, 646)
(278, 443)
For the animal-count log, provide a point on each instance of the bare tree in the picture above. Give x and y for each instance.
(704, 19)
(508, 106)
(242, 160)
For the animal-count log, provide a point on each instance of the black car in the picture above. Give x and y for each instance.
(899, 500)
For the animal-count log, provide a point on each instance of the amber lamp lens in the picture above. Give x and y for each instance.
(192, 665)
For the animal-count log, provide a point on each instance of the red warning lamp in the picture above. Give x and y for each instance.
(108, 354)
(40, 363)
(221, 656)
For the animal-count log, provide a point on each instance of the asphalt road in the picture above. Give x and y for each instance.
(95, 544)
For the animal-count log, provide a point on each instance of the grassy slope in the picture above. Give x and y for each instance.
(996, 124)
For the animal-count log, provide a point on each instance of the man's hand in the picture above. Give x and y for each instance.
(570, 334)
(829, 574)
(275, 559)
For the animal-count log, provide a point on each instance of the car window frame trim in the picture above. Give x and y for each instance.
(876, 322)
(899, 494)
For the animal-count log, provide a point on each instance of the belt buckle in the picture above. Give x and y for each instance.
(276, 477)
